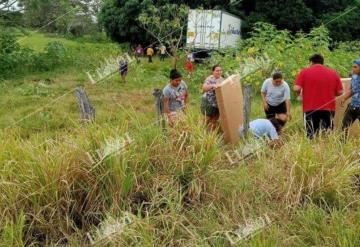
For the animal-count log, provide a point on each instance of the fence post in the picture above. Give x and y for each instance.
(247, 107)
(87, 111)
(159, 107)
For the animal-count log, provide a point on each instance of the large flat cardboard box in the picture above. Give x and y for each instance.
(340, 110)
(230, 102)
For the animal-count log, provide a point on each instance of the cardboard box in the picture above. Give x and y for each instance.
(230, 101)
(340, 110)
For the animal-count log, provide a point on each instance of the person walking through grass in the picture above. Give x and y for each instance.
(123, 68)
(189, 67)
(149, 53)
(353, 109)
(319, 86)
(162, 52)
(138, 52)
(275, 93)
(175, 96)
(209, 106)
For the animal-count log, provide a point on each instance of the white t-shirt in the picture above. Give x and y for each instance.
(162, 49)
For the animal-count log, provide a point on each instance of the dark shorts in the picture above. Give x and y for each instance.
(351, 115)
(207, 109)
(123, 72)
(318, 120)
(275, 110)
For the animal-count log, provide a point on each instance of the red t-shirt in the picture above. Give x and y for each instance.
(319, 87)
(189, 66)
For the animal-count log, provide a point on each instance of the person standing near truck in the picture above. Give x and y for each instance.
(189, 67)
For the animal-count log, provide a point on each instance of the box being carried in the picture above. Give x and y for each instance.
(230, 102)
(340, 110)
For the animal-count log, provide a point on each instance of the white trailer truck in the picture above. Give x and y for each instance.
(212, 29)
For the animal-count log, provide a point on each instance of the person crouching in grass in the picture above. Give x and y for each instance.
(175, 96)
(268, 129)
(275, 93)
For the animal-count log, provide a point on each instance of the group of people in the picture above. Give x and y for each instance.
(175, 97)
(150, 52)
(139, 52)
(317, 86)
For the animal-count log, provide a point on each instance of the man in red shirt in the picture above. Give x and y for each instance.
(319, 86)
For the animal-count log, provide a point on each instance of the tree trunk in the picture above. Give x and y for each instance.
(87, 111)
(175, 57)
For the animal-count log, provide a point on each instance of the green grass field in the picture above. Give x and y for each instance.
(165, 188)
(38, 41)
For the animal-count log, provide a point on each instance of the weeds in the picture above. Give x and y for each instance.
(167, 188)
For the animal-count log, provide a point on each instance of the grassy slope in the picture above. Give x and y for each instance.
(191, 195)
(37, 41)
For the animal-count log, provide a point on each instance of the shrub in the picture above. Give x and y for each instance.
(13, 58)
(287, 52)
(55, 55)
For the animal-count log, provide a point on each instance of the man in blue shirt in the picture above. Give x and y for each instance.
(353, 110)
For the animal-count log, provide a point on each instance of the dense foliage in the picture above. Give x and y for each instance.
(63, 16)
(17, 60)
(119, 18)
(293, 15)
(287, 52)
(173, 187)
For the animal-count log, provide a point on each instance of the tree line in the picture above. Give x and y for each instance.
(120, 18)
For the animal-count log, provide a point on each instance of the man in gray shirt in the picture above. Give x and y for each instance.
(275, 93)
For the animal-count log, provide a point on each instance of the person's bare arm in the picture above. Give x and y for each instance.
(338, 93)
(208, 87)
(297, 89)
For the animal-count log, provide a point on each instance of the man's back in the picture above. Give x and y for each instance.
(320, 86)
